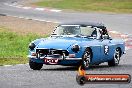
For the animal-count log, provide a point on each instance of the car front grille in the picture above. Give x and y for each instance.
(52, 52)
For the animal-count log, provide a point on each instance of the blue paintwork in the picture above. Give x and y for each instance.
(66, 43)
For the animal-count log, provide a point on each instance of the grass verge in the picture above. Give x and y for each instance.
(14, 47)
(119, 6)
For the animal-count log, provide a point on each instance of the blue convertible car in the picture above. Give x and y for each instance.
(76, 44)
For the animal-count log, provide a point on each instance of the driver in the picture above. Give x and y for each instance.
(103, 33)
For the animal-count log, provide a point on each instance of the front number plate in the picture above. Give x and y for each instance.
(51, 61)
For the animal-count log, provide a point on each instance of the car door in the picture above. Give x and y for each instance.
(96, 47)
(105, 49)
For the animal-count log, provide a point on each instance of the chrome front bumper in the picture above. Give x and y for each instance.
(66, 58)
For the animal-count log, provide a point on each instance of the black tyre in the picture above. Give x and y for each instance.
(35, 66)
(116, 58)
(86, 58)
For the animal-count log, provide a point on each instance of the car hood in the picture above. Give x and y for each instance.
(58, 43)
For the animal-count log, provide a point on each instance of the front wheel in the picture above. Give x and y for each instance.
(116, 58)
(86, 58)
(35, 66)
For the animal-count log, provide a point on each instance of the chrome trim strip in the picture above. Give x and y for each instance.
(67, 58)
(73, 58)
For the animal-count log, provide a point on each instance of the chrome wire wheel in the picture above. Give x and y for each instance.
(116, 58)
(86, 58)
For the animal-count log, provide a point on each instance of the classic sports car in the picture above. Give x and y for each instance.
(76, 44)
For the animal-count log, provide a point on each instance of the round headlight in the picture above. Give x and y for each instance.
(75, 48)
(31, 46)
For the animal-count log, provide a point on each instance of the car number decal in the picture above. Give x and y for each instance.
(106, 49)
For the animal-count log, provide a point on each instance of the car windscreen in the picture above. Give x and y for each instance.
(74, 30)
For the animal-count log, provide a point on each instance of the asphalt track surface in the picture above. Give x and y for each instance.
(21, 76)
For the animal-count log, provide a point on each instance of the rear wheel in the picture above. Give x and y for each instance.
(116, 58)
(35, 66)
(86, 58)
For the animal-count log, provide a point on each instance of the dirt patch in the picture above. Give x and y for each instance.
(24, 26)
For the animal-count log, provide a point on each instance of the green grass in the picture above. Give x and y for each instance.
(119, 6)
(14, 47)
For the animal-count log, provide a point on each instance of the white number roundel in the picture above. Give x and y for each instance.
(106, 49)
